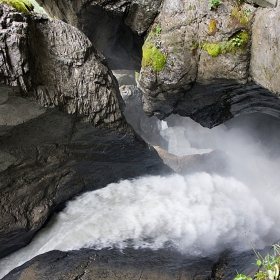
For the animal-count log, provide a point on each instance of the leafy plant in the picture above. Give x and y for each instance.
(270, 265)
(248, 11)
(158, 29)
(213, 4)
(242, 277)
(236, 41)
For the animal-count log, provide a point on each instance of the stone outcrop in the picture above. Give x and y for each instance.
(36, 54)
(196, 62)
(114, 27)
(137, 264)
(265, 59)
(47, 157)
(192, 42)
(212, 162)
(112, 264)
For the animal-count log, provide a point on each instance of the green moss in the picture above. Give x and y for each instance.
(214, 49)
(22, 6)
(194, 46)
(153, 57)
(242, 16)
(238, 42)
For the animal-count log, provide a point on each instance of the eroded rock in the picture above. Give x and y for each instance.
(191, 42)
(51, 157)
(265, 59)
(57, 65)
(114, 27)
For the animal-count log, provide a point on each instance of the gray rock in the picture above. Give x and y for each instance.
(71, 76)
(117, 28)
(112, 264)
(265, 59)
(189, 42)
(147, 128)
(52, 157)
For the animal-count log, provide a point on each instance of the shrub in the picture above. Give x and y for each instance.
(268, 266)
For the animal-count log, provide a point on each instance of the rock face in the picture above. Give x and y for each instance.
(48, 157)
(112, 264)
(117, 28)
(71, 76)
(265, 60)
(197, 58)
(188, 43)
(196, 62)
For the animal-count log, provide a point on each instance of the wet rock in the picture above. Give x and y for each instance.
(113, 264)
(188, 43)
(42, 62)
(49, 157)
(114, 27)
(147, 128)
(212, 162)
(265, 59)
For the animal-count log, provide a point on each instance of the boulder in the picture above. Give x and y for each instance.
(265, 57)
(188, 43)
(211, 162)
(114, 264)
(72, 76)
(48, 157)
(117, 28)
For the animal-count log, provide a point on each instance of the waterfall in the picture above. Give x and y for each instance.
(198, 214)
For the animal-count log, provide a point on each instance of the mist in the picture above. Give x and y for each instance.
(198, 214)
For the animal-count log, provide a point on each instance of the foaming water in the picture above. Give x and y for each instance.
(198, 214)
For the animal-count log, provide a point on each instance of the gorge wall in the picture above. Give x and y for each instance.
(206, 63)
(47, 156)
(209, 64)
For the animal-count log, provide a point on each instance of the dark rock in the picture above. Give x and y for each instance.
(71, 76)
(147, 128)
(115, 28)
(113, 264)
(265, 59)
(216, 103)
(245, 263)
(49, 157)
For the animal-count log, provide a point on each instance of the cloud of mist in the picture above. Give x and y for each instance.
(198, 214)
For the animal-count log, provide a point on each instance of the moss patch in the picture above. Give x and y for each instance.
(213, 27)
(244, 17)
(238, 42)
(153, 57)
(22, 6)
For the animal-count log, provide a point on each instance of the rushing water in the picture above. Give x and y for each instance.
(198, 214)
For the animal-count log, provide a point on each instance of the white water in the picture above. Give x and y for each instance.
(198, 214)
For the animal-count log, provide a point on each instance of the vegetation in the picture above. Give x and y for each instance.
(268, 266)
(152, 54)
(244, 17)
(22, 6)
(153, 57)
(213, 4)
(213, 26)
(239, 41)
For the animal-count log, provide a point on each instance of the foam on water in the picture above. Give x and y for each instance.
(198, 214)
